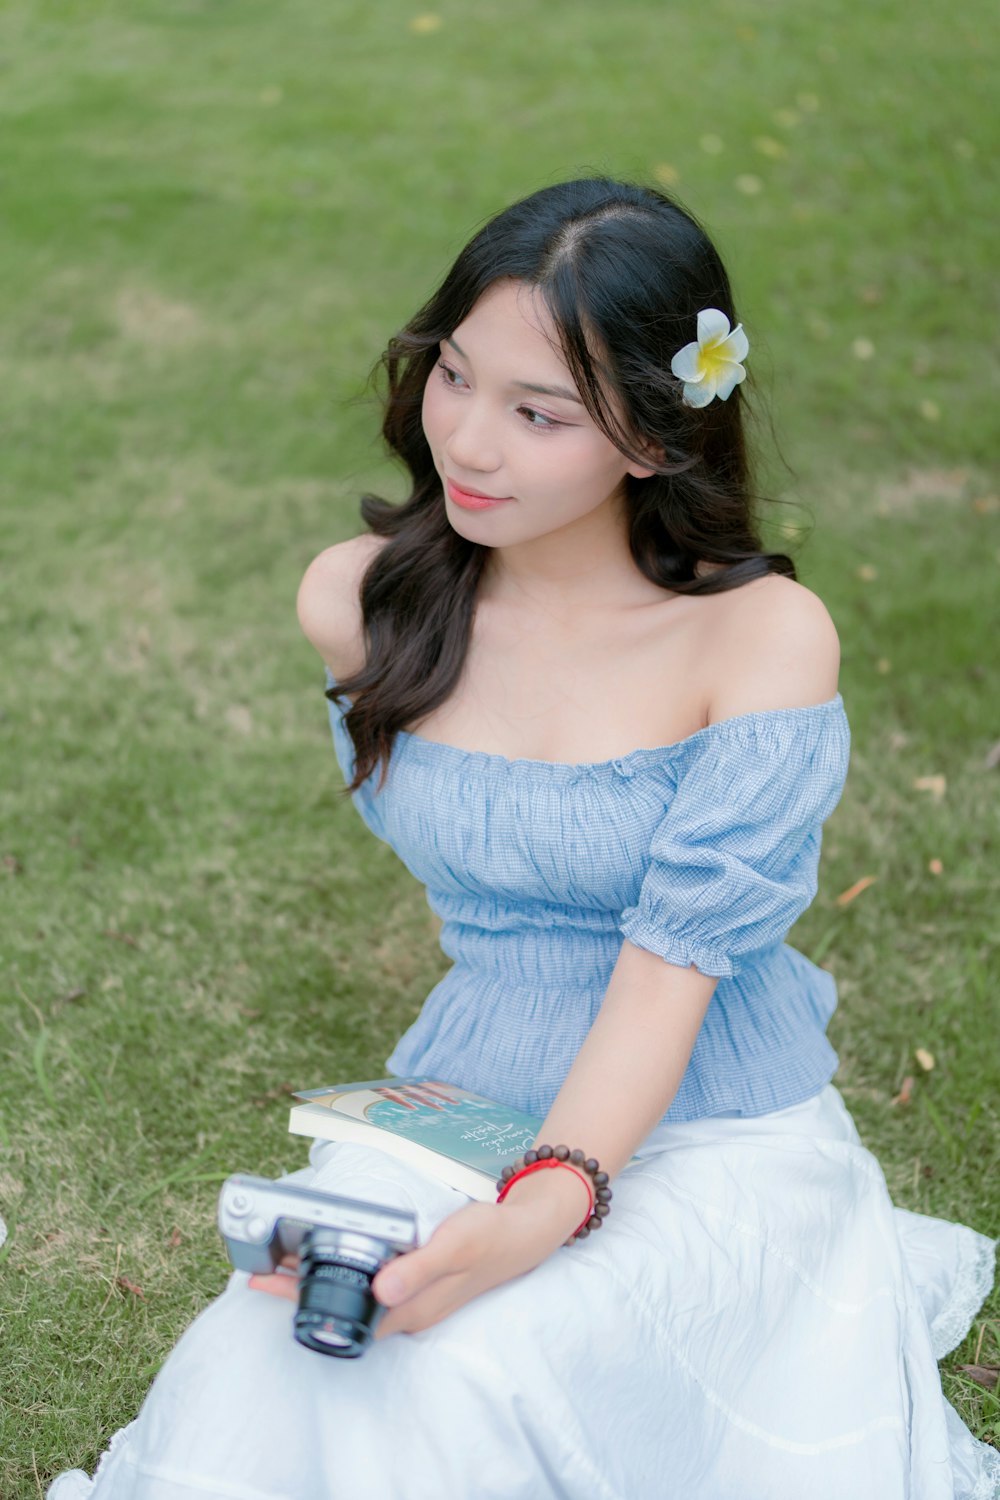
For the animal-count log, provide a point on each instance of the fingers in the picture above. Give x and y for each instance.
(451, 1249)
(420, 1310)
(277, 1285)
(424, 1309)
(407, 1275)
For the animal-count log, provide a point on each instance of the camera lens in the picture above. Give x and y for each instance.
(338, 1312)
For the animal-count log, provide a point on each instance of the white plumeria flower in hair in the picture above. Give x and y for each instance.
(711, 365)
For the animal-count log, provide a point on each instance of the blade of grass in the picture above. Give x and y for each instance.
(954, 1149)
(183, 1173)
(95, 1086)
(824, 944)
(38, 1059)
(971, 1118)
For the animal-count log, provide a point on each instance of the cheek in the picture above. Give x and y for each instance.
(583, 470)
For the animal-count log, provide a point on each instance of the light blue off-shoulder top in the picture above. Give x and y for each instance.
(704, 852)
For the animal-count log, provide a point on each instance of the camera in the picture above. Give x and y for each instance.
(341, 1244)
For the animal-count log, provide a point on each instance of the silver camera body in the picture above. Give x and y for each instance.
(341, 1243)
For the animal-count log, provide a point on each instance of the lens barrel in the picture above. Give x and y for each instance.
(338, 1312)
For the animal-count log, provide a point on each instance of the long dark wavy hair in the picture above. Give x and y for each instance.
(624, 272)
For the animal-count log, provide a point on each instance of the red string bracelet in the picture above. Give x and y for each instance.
(561, 1156)
(505, 1186)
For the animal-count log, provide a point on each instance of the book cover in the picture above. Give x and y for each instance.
(457, 1136)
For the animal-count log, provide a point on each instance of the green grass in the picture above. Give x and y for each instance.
(216, 213)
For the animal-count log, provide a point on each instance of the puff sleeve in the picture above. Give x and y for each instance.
(734, 861)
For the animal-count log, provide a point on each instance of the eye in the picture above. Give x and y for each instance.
(541, 422)
(450, 377)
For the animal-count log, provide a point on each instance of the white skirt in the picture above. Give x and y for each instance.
(755, 1321)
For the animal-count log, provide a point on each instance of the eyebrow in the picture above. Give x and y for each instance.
(562, 391)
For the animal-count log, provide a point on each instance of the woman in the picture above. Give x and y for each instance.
(603, 726)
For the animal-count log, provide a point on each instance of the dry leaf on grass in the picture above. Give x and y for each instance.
(130, 1286)
(71, 996)
(903, 1097)
(846, 897)
(936, 785)
(924, 1058)
(986, 1375)
(280, 1092)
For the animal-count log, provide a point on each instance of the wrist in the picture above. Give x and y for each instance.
(557, 1199)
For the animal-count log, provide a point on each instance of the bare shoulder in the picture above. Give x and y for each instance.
(329, 606)
(774, 645)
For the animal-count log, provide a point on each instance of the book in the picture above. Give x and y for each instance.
(448, 1132)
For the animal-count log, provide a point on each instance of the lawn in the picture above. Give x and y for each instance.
(215, 215)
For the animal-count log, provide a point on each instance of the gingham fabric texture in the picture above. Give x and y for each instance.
(704, 851)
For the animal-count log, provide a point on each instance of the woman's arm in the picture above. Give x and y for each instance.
(328, 605)
(623, 1079)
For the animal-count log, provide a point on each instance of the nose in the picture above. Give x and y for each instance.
(471, 446)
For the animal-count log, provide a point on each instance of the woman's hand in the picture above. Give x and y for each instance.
(475, 1249)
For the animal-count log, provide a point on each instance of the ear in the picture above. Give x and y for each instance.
(654, 453)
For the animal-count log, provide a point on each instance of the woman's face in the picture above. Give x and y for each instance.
(503, 420)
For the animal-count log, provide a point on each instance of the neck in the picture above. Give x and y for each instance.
(581, 567)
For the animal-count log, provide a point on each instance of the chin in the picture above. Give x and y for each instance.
(475, 526)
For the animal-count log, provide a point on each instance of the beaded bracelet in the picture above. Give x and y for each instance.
(562, 1156)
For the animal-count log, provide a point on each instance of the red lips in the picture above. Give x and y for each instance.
(473, 499)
